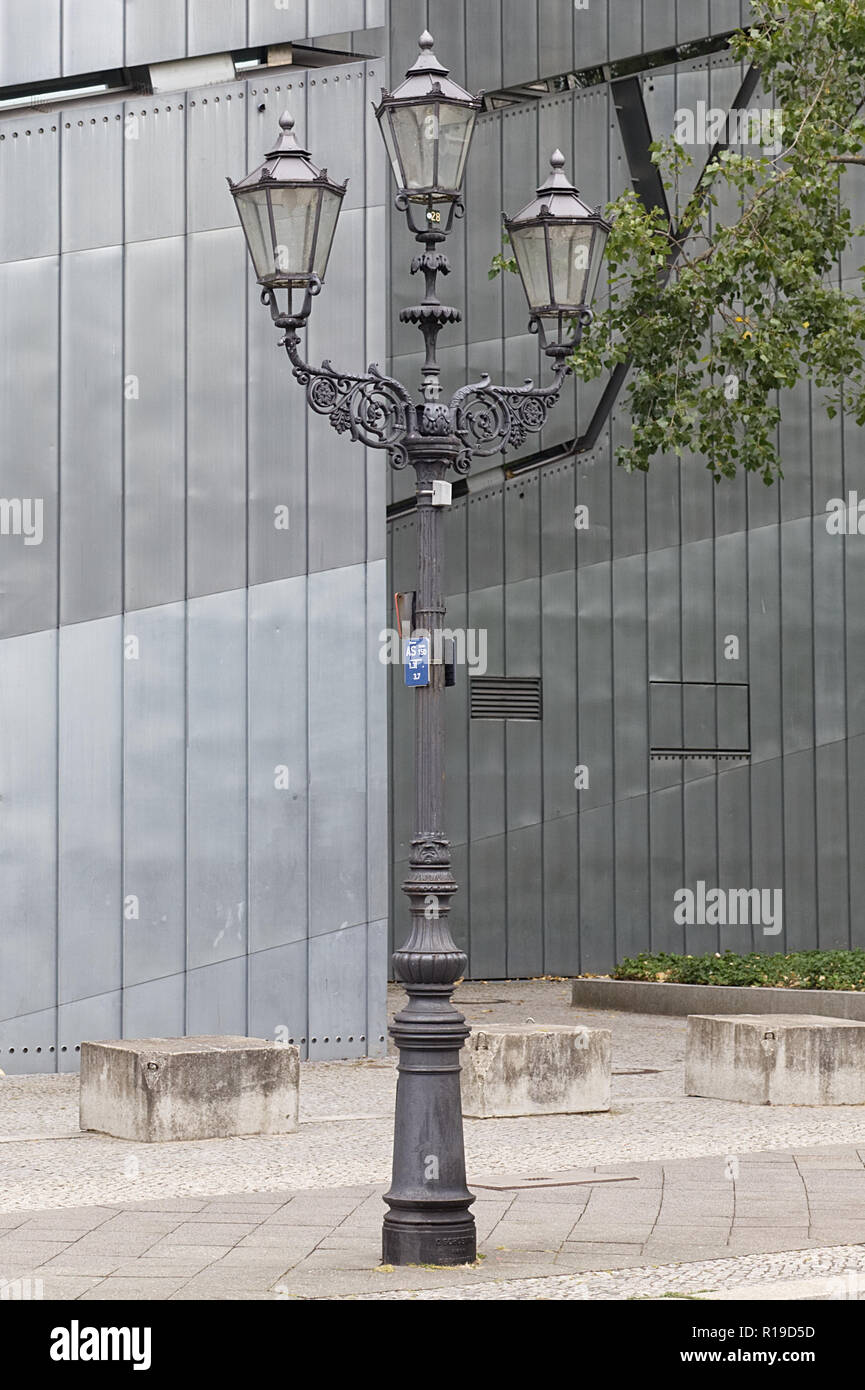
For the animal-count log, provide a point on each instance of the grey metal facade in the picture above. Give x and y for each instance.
(193, 760)
(559, 880)
(166, 651)
(44, 39)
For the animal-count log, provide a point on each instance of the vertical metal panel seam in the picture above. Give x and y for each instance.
(782, 761)
(611, 118)
(366, 527)
(186, 975)
(648, 703)
(682, 819)
(537, 66)
(465, 239)
(307, 1028)
(246, 725)
(846, 687)
(57, 599)
(468, 857)
(542, 779)
(121, 654)
(715, 667)
(248, 518)
(579, 751)
(507, 837)
(613, 738)
(307, 1024)
(366, 765)
(747, 525)
(392, 765)
(814, 763)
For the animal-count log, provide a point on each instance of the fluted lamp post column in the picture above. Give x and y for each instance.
(289, 209)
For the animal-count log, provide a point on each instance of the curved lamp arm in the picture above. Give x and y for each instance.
(490, 419)
(375, 409)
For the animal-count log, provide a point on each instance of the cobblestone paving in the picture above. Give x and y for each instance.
(347, 1118)
(835, 1273)
(714, 1191)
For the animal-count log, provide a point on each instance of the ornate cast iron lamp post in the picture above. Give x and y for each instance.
(288, 209)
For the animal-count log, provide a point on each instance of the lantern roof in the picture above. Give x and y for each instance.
(428, 78)
(557, 198)
(286, 163)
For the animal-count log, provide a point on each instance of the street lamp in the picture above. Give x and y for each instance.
(288, 209)
(427, 124)
(558, 243)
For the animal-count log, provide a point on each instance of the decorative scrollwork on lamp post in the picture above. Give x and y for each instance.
(289, 209)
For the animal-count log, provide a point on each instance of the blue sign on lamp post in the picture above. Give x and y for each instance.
(417, 661)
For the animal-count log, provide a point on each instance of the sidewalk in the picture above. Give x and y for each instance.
(666, 1195)
(324, 1243)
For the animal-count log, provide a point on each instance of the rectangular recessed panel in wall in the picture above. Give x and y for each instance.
(506, 697)
(699, 719)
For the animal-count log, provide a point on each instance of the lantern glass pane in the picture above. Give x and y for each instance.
(254, 218)
(530, 249)
(570, 251)
(294, 213)
(416, 133)
(390, 145)
(596, 261)
(330, 206)
(280, 252)
(456, 127)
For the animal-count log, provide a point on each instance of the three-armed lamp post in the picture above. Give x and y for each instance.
(289, 209)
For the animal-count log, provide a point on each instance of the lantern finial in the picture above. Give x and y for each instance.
(426, 60)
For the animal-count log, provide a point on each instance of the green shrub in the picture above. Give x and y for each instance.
(799, 970)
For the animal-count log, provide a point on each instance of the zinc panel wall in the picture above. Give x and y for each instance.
(44, 39)
(674, 580)
(28, 861)
(181, 755)
(506, 41)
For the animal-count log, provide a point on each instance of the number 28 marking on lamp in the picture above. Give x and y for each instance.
(433, 216)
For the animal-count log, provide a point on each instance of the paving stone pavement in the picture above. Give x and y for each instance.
(664, 1194)
(325, 1243)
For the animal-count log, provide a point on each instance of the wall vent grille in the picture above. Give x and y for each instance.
(506, 697)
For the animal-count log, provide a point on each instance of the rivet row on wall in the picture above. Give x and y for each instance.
(254, 91)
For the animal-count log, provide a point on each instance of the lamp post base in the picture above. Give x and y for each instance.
(429, 1221)
(424, 1240)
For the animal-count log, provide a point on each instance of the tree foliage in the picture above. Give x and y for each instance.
(742, 298)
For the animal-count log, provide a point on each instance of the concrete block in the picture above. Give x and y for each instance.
(776, 1059)
(159, 1089)
(536, 1070)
